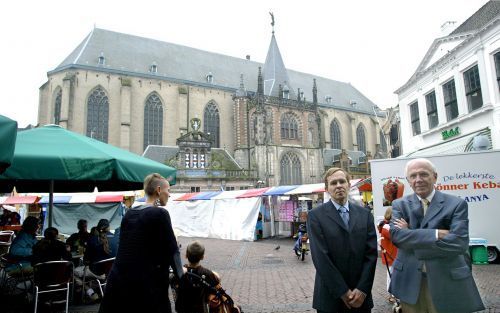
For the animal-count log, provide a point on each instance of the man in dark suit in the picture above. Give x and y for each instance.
(431, 229)
(344, 250)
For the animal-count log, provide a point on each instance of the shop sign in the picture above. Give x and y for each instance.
(450, 133)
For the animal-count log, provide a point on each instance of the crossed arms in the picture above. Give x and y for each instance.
(423, 241)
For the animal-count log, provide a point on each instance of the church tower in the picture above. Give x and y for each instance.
(277, 129)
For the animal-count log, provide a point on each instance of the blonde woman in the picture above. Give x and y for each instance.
(139, 279)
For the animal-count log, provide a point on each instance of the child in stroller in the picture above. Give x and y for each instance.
(199, 290)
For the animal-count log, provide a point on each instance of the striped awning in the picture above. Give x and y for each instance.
(280, 190)
(206, 195)
(307, 189)
(250, 193)
(187, 196)
(84, 198)
(20, 200)
(231, 194)
(253, 193)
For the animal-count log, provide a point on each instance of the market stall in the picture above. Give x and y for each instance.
(69, 208)
(16, 209)
(364, 186)
(225, 214)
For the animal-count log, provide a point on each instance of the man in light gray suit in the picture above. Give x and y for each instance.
(344, 250)
(431, 229)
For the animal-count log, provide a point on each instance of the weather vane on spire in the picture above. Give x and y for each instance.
(272, 20)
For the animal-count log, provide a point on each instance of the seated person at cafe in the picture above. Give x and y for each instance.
(190, 295)
(98, 249)
(78, 241)
(99, 245)
(21, 250)
(50, 248)
(8, 217)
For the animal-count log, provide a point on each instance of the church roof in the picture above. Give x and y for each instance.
(479, 19)
(161, 154)
(131, 55)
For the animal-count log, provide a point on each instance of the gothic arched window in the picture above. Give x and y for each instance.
(98, 115)
(289, 127)
(360, 138)
(290, 170)
(211, 123)
(335, 135)
(57, 106)
(383, 143)
(153, 121)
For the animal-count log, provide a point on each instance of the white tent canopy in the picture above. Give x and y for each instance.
(233, 219)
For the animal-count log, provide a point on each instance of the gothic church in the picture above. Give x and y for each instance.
(265, 124)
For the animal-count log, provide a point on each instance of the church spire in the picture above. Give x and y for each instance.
(241, 92)
(260, 86)
(315, 92)
(274, 72)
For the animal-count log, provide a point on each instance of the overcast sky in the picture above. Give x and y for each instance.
(374, 45)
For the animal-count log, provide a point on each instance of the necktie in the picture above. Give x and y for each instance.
(344, 215)
(425, 205)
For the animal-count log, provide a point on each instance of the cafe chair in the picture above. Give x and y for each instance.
(4, 248)
(52, 277)
(101, 270)
(13, 274)
(6, 238)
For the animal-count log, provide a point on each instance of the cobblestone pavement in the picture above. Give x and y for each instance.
(262, 278)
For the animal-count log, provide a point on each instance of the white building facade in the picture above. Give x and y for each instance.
(452, 102)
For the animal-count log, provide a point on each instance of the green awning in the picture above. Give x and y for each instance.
(8, 132)
(75, 163)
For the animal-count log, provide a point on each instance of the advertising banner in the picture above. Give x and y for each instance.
(472, 176)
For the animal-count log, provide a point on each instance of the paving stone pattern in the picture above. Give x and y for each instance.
(264, 279)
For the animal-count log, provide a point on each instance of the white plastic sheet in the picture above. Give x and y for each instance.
(191, 218)
(233, 219)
